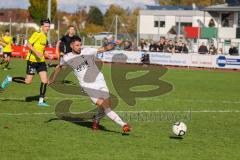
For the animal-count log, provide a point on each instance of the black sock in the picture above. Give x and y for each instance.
(3, 61)
(43, 89)
(7, 64)
(19, 80)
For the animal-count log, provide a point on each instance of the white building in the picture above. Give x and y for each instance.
(168, 22)
(227, 20)
(21, 25)
(156, 23)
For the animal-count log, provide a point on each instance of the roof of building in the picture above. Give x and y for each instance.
(233, 2)
(222, 8)
(187, 13)
(158, 7)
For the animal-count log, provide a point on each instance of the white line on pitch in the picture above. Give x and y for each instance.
(133, 112)
(144, 99)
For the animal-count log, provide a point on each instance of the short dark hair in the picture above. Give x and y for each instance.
(76, 38)
(70, 26)
(45, 21)
(7, 30)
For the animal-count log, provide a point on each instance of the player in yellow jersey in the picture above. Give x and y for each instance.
(6, 41)
(35, 61)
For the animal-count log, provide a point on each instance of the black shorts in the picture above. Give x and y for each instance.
(32, 67)
(7, 54)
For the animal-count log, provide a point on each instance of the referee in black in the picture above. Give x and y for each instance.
(63, 45)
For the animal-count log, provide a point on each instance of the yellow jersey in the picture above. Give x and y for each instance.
(38, 40)
(8, 46)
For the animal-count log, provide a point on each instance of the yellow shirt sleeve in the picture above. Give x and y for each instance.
(34, 37)
(8, 46)
(38, 41)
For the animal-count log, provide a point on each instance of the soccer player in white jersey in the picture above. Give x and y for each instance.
(82, 60)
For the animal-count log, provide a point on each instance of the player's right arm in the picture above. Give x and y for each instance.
(54, 74)
(3, 42)
(34, 50)
(30, 43)
(56, 71)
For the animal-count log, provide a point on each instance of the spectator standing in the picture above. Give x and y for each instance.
(127, 45)
(233, 50)
(203, 49)
(153, 47)
(185, 48)
(170, 47)
(212, 49)
(161, 45)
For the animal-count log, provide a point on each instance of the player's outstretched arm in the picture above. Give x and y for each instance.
(106, 48)
(54, 74)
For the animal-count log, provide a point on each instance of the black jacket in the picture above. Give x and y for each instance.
(65, 44)
(233, 51)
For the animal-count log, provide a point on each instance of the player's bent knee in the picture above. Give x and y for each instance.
(28, 81)
(99, 102)
(103, 103)
(44, 81)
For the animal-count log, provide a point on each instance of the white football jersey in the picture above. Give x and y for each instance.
(84, 65)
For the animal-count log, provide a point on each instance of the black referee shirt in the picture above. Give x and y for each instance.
(65, 44)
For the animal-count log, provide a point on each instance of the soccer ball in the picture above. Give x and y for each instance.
(179, 128)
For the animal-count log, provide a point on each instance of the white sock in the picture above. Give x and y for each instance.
(99, 114)
(10, 78)
(41, 100)
(113, 116)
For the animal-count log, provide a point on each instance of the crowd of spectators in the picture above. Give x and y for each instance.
(170, 46)
(164, 45)
(203, 49)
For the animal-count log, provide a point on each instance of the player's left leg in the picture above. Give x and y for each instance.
(30, 70)
(42, 71)
(105, 104)
(99, 93)
(4, 59)
(7, 60)
(96, 119)
(43, 88)
(2, 62)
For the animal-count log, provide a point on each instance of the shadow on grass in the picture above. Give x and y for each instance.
(9, 68)
(32, 98)
(27, 99)
(69, 82)
(176, 137)
(12, 100)
(84, 123)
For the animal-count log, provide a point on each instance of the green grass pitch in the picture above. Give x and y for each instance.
(208, 101)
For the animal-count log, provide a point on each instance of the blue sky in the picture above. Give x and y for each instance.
(71, 5)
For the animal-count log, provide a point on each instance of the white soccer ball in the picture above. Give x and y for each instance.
(179, 128)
